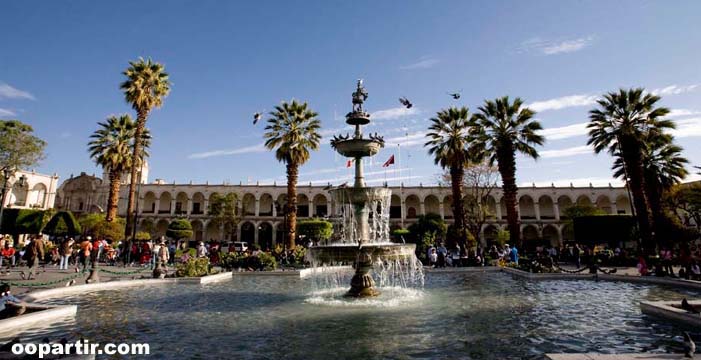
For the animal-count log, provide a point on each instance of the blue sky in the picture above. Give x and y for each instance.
(61, 64)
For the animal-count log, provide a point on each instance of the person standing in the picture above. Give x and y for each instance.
(513, 255)
(84, 255)
(577, 253)
(163, 254)
(155, 252)
(66, 249)
(35, 252)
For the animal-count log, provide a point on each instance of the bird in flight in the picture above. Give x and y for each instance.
(256, 117)
(404, 101)
(455, 95)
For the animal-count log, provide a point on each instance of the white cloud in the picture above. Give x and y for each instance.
(675, 89)
(425, 62)
(553, 47)
(9, 92)
(65, 135)
(687, 128)
(565, 132)
(224, 152)
(675, 113)
(418, 138)
(393, 113)
(563, 102)
(571, 151)
(6, 112)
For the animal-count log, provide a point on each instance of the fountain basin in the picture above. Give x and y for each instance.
(364, 195)
(351, 252)
(356, 148)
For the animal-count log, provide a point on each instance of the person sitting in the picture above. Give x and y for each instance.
(642, 267)
(7, 254)
(695, 271)
(6, 298)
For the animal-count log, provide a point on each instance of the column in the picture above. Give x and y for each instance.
(422, 209)
(497, 207)
(157, 208)
(189, 207)
(257, 210)
(556, 209)
(206, 207)
(255, 233)
(274, 230)
(172, 207)
(614, 208)
(442, 211)
(403, 209)
(536, 207)
(274, 210)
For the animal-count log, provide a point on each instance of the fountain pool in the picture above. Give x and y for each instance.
(456, 315)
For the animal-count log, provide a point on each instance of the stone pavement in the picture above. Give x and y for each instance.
(52, 277)
(615, 356)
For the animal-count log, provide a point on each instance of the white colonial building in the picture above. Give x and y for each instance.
(541, 209)
(31, 190)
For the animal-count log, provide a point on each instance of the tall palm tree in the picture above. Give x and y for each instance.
(292, 131)
(621, 125)
(663, 167)
(448, 143)
(145, 87)
(501, 129)
(112, 147)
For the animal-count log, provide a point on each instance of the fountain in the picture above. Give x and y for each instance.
(362, 219)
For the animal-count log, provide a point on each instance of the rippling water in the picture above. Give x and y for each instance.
(458, 315)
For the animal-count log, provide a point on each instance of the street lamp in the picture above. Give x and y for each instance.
(7, 173)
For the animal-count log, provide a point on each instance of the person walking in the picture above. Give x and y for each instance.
(163, 255)
(35, 252)
(84, 255)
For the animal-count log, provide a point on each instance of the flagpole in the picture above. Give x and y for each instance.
(399, 162)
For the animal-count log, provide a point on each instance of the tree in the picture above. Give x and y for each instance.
(582, 210)
(179, 229)
(222, 209)
(663, 167)
(63, 223)
(19, 147)
(480, 181)
(426, 231)
(448, 141)
(621, 125)
(89, 223)
(292, 131)
(145, 88)
(685, 202)
(112, 147)
(499, 130)
(315, 229)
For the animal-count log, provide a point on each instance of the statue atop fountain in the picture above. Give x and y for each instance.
(362, 232)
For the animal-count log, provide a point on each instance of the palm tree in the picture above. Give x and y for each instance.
(501, 129)
(622, 125)
(145, 87)
(663, 167)
(112, 147)
(292, 131)
(448, 142)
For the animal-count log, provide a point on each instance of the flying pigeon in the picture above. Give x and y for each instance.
(256, 117)
(455, 95)
(404, 101)
(689, 346)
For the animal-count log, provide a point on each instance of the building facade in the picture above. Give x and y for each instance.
(31, 190)
(541, 209)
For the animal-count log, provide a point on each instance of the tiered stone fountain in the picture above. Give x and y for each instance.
(362, 231)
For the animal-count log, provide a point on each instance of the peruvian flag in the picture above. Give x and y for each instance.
(349, 163)
(389, 161)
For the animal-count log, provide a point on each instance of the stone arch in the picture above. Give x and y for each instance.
(564, 202)
(448, 207)
(583, 200)
(302, 205)
(161, 227)
(623, 205)
(213, 232)
(164, 203)
(413, 206)
(197, 230)
(502, 206)
(530, 237)
(266, 203)
(551, 235)
(547, 208)
(181, 202)
(198, 207)
(604, 203)
(321, 205)
(248, 204)
(280, 232)
(491, 205)
(265, 236)
(432, 205)
(526, 207)
(38, 196)
(567, 231)
(395, 207)
(150, 202)
(248, 232)
(19, 195)
(491, 233)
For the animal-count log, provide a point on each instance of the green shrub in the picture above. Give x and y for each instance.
(315, 229)
(267, 261)
(193, 267)
(179, 229)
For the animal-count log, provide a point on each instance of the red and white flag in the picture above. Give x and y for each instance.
(349, 163)
(389, 161)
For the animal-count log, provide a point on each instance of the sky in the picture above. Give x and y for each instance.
(61, 64)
